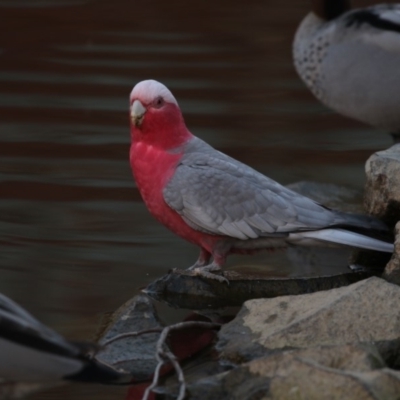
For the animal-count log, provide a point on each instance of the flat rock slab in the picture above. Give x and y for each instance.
(362, 312)
(382, 189)
(348, 372)
(184, 289)
(133, 354)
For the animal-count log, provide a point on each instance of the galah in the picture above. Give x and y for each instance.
(218, 203)
(32, 352)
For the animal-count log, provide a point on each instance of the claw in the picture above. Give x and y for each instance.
(209, 275)
(195, 266)
(206, 271)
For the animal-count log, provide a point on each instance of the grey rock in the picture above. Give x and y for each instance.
(366, 311)
(133, 354)
(382, 190)
(392, 270)
(347, 372)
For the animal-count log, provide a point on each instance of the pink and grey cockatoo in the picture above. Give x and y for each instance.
(218, 203)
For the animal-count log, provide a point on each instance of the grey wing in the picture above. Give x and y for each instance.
(232, 199)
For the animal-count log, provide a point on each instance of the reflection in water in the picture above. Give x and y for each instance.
(141, 49)
(40, 3)
(76, 241)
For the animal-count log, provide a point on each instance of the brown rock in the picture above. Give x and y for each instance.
(392, 270)
(294, 376)
(363, 312)
(348, 372)
(382, 190)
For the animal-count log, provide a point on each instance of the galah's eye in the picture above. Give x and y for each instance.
(158, 102)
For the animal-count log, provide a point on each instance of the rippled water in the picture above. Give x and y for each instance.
(75, 239)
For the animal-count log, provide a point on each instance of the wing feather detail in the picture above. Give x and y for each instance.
(217, 194)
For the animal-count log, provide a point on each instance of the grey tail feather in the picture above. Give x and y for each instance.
(349, 238)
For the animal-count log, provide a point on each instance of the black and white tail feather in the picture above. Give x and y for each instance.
(32, 352)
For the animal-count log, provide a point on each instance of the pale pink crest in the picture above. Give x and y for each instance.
(147, 91)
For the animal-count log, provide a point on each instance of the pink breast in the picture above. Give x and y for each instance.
(152, 169)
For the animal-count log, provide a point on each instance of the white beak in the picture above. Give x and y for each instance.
(137, 112)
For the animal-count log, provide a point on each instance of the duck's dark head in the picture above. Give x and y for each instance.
(330, 9)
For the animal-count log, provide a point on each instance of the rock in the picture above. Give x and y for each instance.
(392, 270)
(382, 190)
(362, 312)
(184, 289)
(347, 372)
(133, 354)
(205, 366)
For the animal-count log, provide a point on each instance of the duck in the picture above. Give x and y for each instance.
(350, 60)
(31, 352)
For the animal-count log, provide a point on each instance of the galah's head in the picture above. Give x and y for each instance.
(155, 115)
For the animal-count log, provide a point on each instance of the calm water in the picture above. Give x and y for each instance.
(75, 239)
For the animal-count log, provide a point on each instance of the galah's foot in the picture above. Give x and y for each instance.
(207, 272)
(198, 264)
(202, 261)
(210, 275)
